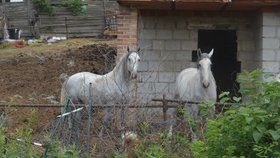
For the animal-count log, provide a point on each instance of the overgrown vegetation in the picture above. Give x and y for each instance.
(248, 130)
(19, 143)
(159, 145)
(44, 6)
(74, 6)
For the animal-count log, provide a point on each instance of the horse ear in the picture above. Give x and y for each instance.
(211, 53)
(127, 48)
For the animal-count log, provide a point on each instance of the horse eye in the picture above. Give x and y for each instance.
(129, 59)
(138, 59)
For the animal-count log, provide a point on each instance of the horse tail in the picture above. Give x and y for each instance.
(63, 78)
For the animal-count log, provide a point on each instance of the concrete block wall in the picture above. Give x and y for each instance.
(270, 45)
(168, 42)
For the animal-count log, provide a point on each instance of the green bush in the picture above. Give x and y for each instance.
(248, 130)
(74, 6)
(44, 6)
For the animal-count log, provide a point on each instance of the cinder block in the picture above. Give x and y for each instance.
(147, 34)
(166, 77)
(151, 55)
(269, 31)
(179, 66)
(167, 56)
(158, 44)
(246, 45)
(244, 35)
(271, 43)
(181, 24)
(160, 87)
(183, 56)
(245, 56)
(149, 22)
(172, 45)
(164, 34)
(172, 88)
(271, 19)
(193, 34)
(181, 34)
(145, 44)
(164, 22)
(278, 55)
(151, 76)
(189, 45)
(142, 87)
(154, 65)
(143, 66)
(268, 55)
(278, 32)
(272, 67)
(166, 66)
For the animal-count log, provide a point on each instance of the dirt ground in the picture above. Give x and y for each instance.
(32, 74)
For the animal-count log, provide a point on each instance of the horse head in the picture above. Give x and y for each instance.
(204, 67)
(133, 60)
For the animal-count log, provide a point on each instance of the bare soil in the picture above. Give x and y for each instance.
(32, 74)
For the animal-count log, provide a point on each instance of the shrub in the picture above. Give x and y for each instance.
(74, 6)
(248, 130)
(44, 6)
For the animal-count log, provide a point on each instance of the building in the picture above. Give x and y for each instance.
(244, 33)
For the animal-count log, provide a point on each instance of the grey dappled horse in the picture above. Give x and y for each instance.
(195, 84)
(111, 88)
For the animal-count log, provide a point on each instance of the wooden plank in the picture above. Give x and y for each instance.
(19, 15)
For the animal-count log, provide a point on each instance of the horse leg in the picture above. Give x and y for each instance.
(123, 112)
(172, 122)
(74, 120)
(107, 115)
(192, 112)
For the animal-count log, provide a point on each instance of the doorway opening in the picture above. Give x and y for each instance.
(224, 60)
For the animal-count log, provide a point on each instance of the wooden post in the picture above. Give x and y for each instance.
(66, 27)
(164, 107)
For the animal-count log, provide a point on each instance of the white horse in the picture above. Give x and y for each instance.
(195, 84)
(111, 88)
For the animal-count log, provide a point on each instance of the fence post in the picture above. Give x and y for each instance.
(56, 127)
(66, 27)
(164, 107)
(89, 122)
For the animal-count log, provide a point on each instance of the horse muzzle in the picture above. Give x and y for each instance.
(132, 75)
(205, 84)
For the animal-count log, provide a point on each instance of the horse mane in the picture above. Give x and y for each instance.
(123, 59)
(121, 65)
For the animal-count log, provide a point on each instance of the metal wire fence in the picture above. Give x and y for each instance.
(80, 125)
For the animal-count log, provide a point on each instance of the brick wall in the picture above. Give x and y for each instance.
(127, 29)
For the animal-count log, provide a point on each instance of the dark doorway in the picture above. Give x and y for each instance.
(225, 66)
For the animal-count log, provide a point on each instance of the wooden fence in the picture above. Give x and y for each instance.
(91, 23)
